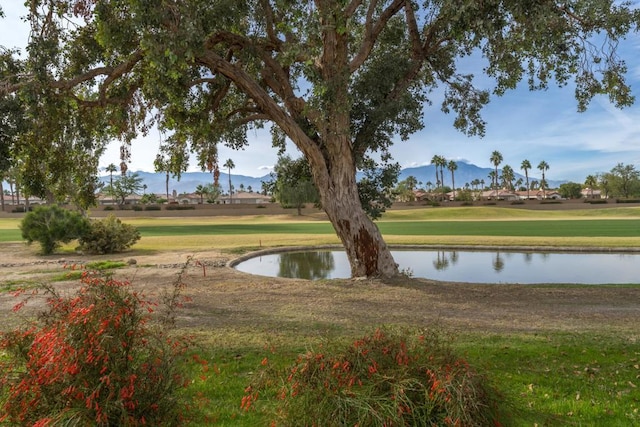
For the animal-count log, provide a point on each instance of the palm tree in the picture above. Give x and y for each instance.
(111, 168)
(435, 160)
(229, 165)
(492, 176)
(452, 166)
(525, 166)
(411, 182)
(519, 183)
(439, 162)
(201, 191)
(496, 159)
(591, 181)
(543, 166)
(507, 177)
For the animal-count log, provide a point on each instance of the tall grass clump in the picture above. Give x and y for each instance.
(94, 358)
(387, 378)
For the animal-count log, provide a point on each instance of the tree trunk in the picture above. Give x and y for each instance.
(367, 251)
(166, 185)
(1, 195)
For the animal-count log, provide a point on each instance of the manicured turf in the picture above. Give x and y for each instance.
(513, 228)
(552, 228)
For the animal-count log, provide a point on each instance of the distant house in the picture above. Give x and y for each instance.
(107, 200)
(188, 199)
(244, 197)
(539, 195)
(589, 193)
(501, 194)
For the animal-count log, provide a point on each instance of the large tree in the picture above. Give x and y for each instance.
(292, 183)
(339, 78)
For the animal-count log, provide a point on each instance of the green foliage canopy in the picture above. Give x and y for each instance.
(293, 184)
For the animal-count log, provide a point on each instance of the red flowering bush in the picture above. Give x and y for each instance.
(92, 358)
(388, 378)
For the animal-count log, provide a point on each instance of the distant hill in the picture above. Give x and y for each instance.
(465, 173)
(155, 182)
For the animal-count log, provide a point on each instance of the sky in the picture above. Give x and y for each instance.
(520, 125)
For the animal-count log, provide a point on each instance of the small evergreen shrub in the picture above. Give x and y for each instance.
(137, 208)
(52, 225)
(109, 208)
(152, 208)
(390, 378)
(108, 236)
(94, 358)
(517, 202)
(466, 203)
(627, 200)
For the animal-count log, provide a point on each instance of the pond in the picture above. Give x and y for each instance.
(462, 266)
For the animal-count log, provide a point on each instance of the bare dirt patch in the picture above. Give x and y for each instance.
(225, 299)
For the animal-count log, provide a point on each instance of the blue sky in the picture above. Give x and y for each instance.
(521, 125)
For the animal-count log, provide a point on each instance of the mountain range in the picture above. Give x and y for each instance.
(466, 173)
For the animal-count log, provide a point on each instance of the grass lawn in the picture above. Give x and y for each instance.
(555, 378)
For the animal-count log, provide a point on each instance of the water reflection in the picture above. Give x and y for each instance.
(306, 265)
(498, 263)
(462, 266)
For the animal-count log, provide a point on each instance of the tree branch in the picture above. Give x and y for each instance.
(353, 6)
(267, 105)
(373, 30)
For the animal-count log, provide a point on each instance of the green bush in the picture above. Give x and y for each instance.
(627, 200)
(137, 208)
(109, 208)
(152, 208)
(94, 358)
(51, 225)
(390, 377)
(108, 236)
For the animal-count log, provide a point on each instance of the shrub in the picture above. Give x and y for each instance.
(387, 378)
(137, 208)
(176, 207)
(152, 208)
(51, 225)
(108, 236)
(109, 208)
(93, 358)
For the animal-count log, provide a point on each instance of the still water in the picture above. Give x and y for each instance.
(462, 266)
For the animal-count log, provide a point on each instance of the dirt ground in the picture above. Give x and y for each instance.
(225, 299)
